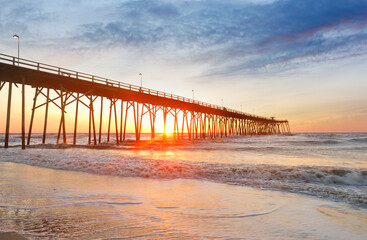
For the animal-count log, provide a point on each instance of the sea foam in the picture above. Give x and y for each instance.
(335, 183)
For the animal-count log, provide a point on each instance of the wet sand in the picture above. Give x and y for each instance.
(41, 203)
(11, 236)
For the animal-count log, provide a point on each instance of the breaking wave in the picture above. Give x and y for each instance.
(318, 142)
(334, 183)
(345, 181)
(362, 140)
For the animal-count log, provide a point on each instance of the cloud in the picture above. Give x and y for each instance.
(232, 37)
(20, 13)
(239, 36)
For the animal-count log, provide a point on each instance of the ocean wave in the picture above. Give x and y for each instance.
(335, 183)
(317, 142)
(362, 140)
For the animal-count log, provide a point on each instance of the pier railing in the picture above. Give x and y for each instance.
(21, 62)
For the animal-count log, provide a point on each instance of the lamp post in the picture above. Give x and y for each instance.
(193, 95)
(16, 36)
(141, 79)
(222, 102)
(241, 107)
(9, 106)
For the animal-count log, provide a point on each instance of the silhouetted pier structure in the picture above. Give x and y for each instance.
(194, 118)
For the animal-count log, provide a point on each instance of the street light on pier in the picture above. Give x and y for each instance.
(222, 102)
(141, 79)
(16, 36)
(23, 101)
(193, 95)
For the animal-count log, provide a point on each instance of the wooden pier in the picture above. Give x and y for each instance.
(194, 119)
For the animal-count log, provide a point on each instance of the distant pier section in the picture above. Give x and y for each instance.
(63, 87)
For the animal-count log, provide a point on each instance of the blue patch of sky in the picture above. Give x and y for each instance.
(234, 36)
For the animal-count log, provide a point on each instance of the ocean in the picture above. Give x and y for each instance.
(302, 186)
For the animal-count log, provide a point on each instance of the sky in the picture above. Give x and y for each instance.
(304, 61)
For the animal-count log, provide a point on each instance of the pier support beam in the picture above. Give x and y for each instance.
(62, 120)
(46, 116)
(128, 105)
(165, 123)
(76, 118)
(121, 119)
(23, 115)
(8, 115)
(37, 91)
(109, 122)
(100, 122)
(91, 121)
(136, 121)
(152, 116)
(2, 84)
(116, 123)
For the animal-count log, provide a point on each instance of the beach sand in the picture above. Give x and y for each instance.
(11, 236)
(41, 203)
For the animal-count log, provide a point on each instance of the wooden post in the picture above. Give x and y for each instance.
(153, 114)
(116, 123)
(221, 126)
(136, 120)
(204, 126)
(32, 116)
(192, 125)
(46, 115)
(109, 122)
(174, 123)
(63, 119)
(200, 125)
(90, 119)
(209, 133)
(188, 125)
(151, 122)
(184, 113)
(196, 119)
(23, 115)
(121, 119)
(100, 122)
(76, 118)
(60, 125)
(141, 120)
(128, 104)
(176, 120)
(2, 84)
(8, 115)
(93, 122)
(214, 122)
(225, 126)
(164, 123)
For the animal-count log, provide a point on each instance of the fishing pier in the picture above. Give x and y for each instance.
(192, 119)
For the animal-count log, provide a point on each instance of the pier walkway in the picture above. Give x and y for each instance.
(192, 119)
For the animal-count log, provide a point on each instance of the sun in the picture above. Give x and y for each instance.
(159, 127)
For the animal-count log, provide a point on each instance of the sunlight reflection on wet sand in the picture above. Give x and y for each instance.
(43, 203)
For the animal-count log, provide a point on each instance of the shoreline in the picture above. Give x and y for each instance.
(48, 203)
(316, 181)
